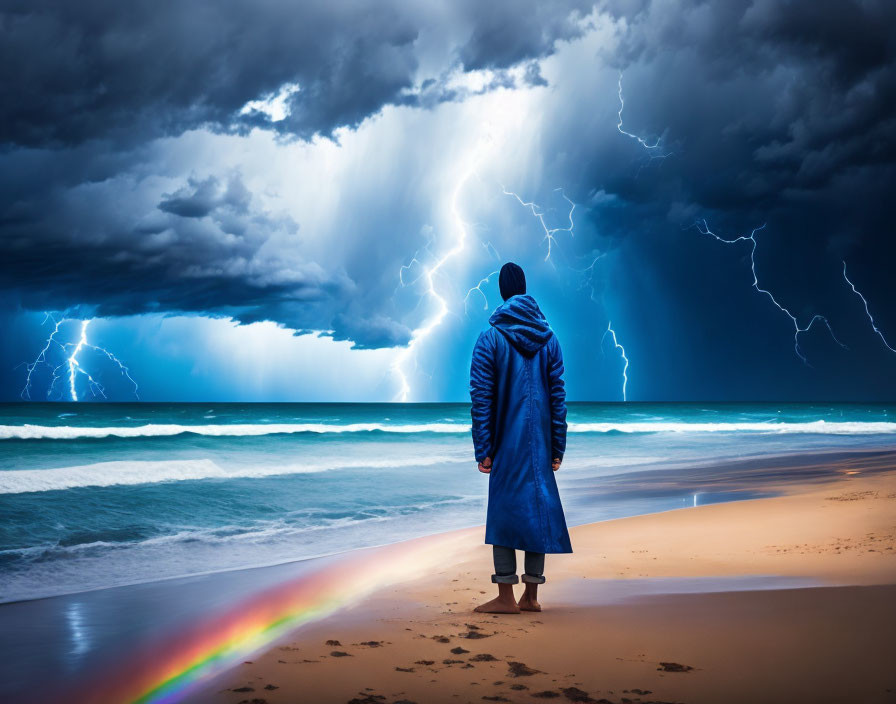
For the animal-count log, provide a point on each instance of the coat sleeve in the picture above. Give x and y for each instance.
(558, 400)
(482, 395)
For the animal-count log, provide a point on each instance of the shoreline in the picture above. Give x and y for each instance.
(399, 645)
(778, 471)
(410, 581)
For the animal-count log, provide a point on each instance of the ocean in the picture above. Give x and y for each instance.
(98, 495)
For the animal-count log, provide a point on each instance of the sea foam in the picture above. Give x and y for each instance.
(74, 432)
(118, 473)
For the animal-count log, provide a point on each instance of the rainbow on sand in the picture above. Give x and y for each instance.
(169, 670)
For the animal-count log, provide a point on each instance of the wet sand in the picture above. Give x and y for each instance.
(785, 599)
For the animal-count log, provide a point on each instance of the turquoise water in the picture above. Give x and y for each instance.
(94, 495)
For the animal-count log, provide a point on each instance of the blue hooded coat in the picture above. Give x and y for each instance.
(519, 420)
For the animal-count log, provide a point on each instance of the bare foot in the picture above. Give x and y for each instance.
(528, 603)
(529, 599)
(505, 603)
(498, 606)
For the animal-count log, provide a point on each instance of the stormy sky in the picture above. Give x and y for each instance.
(247, 199)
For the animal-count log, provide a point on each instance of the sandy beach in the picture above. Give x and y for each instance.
(785, 599)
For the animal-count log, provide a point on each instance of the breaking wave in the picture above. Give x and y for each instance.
(118, 473)
(70, 432)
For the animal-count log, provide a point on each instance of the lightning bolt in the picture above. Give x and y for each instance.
(867, 312)
(549, 233)
(41, 359)
(539, 214)
(71, 352)
(478, 287)
(588, 280)
(797, 330)
(657, 144)
(490, 248)
(415, 260)
(428, 275)
(612, 333)
(549, 236)
(703, 228)
(74, 367)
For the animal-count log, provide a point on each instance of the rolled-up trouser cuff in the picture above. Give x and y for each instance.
(533, 579)
(505, 579)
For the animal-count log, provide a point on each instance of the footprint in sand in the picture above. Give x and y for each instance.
(473, 635)
(367, 699)
(518, 669)
(574, 694)
(674, 667)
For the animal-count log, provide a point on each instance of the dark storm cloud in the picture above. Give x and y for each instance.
(838, 90)
(533, 75)
(200, 198)
(762, 106)
(132, 71)
(137, 70)
(206, 248)
(87, 87)
(771, 111)
(506, 32)
(369, 332)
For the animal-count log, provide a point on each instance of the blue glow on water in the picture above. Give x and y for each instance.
(101, 494)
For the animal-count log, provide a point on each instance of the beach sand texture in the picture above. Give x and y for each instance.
(785, 599)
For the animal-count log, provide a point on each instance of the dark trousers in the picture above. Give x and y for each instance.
(505, 566)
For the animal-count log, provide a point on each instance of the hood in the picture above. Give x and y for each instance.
(523, 324)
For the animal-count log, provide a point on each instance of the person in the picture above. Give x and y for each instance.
(519, 437)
